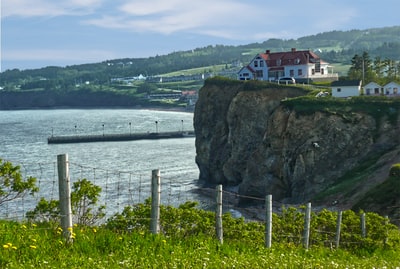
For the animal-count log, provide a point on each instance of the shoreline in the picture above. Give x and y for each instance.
(154, 108)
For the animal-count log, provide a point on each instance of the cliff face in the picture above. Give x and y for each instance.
(246, 137)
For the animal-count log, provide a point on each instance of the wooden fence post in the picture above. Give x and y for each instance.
(268, 220)
(218, 215)
(307, 224)
(64, 191)
(387, 221)
(363, 227)
(155, 201)
(338, 226)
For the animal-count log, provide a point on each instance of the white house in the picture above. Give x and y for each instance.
(346, 88)
(304, 66)
(373, 88)
(391, 89)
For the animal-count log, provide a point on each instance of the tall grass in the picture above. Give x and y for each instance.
(188, 241)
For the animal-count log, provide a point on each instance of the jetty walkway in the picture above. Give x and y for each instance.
(117, 137)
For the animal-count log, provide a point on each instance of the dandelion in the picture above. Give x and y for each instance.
(33, 240)
(60, 242)
(164, 241)
(9, 246)
(23, 226)
(34, 225)
(94, 230)
(32, 247)
(75, 225)
(120, 238)
(69, 229)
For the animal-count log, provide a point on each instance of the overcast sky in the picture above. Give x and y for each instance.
(39, 33)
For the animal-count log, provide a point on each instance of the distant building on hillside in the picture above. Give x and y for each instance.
(304, 66)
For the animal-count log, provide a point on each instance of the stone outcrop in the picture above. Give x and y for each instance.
(247, 137)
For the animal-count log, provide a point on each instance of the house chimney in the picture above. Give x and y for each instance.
(293, 49)
(267, 51)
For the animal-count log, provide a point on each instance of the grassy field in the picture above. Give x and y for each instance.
(187, 240)
(34, 246)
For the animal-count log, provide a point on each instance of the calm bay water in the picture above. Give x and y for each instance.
(122, 169)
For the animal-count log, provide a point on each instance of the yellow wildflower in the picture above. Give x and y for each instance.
(32, 247)
(23, 226)
(94, 230)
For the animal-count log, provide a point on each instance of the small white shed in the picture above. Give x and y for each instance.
(373, 88)
(346, 88)
(392, 88)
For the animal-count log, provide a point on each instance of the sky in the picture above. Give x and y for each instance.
(40, 33)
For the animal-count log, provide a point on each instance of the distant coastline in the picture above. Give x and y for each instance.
(155, 108)
(81, 100)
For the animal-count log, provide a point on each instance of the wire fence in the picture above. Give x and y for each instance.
(120, 189)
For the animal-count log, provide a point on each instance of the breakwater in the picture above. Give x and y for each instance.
(117, 137)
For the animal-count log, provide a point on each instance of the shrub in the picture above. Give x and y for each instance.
(12, 184)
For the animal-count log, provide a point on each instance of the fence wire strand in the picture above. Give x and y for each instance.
(126, 188)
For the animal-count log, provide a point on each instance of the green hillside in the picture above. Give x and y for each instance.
(336, 47)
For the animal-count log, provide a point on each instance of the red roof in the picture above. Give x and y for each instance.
(292, 57)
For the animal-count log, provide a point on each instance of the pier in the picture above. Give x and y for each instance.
(117, 137)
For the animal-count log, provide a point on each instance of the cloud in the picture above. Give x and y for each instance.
(47, 8)
(228, 19)
(167, 17)
(225, 19)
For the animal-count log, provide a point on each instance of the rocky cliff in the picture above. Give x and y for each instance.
(248, 136)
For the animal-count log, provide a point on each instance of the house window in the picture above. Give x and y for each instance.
(278, 62)
(318, 66)
(322, 71)
(395, 90)
(338, 90)
(291, 72)
(313, 71)
(376, 90)
(259, 73)
(300, 72)
(255, 63)
(261, 63)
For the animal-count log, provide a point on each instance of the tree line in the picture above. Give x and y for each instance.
(377, 69)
